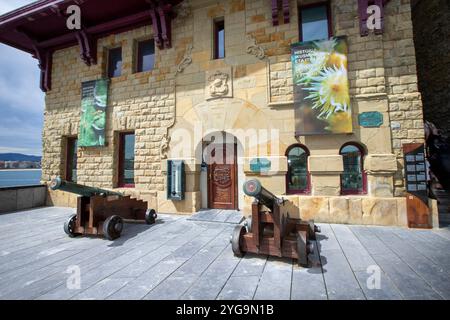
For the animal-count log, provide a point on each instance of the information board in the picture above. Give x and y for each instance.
(418, 212)
(416, 173)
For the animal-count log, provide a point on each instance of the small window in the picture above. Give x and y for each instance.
(297, 178)
(219, 39)
(315, 22)
(115, 62)
(145, 56)
(126, 160)
(71, 159)
(353, 179)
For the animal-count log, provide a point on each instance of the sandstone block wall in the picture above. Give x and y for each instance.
(174, 99)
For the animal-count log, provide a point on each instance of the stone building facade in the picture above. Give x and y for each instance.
(431, 20)
(176, 100)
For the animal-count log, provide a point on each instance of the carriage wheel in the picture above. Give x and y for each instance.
(238, 232)
(112, 227)
(150, 216)
(311, 230)
(302, 251)
(69, 226)
(248, 225)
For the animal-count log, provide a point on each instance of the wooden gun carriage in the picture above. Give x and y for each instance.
(102, 212)
(271, 231)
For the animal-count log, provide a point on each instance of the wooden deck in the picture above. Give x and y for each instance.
(181, 259)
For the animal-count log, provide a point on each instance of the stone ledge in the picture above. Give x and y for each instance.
(371, 96)
(381, 164)
(330, 164)
(280, 104)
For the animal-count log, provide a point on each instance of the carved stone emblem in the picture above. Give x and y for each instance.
(254, 49)
(219, 84)
(164, 146)
(187, 59)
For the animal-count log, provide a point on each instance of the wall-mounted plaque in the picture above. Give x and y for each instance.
(259, 165)
(371, 119)
(416, 175)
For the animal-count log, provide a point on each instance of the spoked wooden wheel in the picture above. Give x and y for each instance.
(112, 227)
(312, 230)
(150, 216)
(248, 225)
(69, 226)
(302, 251)
(238, 232)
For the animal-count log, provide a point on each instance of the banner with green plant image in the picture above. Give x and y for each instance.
(321, 87)
(94, 100)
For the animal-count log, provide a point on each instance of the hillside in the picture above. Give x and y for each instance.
(18, 157)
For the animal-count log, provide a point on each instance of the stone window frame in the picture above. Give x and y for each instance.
(68, 147)
(326, 3)
(306, 191)
(136, 53)
(215, 49)
(120, 157)
(363, 154)
(108, 58)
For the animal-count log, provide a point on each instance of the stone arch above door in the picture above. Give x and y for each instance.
(228, 115)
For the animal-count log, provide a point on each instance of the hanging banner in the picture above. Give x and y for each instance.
(321, 87)
(93, 113)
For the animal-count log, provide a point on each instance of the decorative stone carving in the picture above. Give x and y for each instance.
(164, 146)
(219, 84)
(187, 59)
(254, 49)
(183, 10)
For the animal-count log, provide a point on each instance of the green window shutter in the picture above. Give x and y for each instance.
(169, 180)
(175, 180)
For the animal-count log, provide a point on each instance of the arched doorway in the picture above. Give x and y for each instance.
(220, 162)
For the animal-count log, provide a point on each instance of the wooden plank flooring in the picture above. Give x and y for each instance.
(178, 258)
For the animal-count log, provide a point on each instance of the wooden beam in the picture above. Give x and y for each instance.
(45, 59)
(166, 24)
(88, 47)
(286, 11)
(275, 21)
(99, 29)
(156, 25)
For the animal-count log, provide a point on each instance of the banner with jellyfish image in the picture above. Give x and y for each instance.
(321, 87)
(94, 99)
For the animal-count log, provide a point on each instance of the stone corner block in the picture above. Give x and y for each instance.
(326, 164)
(381, 163)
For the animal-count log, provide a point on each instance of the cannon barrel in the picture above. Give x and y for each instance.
(254, 188)
(59, 184)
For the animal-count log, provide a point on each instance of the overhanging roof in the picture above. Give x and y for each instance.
(41, 27)
(43, 23)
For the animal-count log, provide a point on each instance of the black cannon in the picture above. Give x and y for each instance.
(102, 212)
(270, 230)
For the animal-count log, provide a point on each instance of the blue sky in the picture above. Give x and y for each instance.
(21, 100)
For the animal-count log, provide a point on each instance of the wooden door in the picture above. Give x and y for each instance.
(222, 177)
